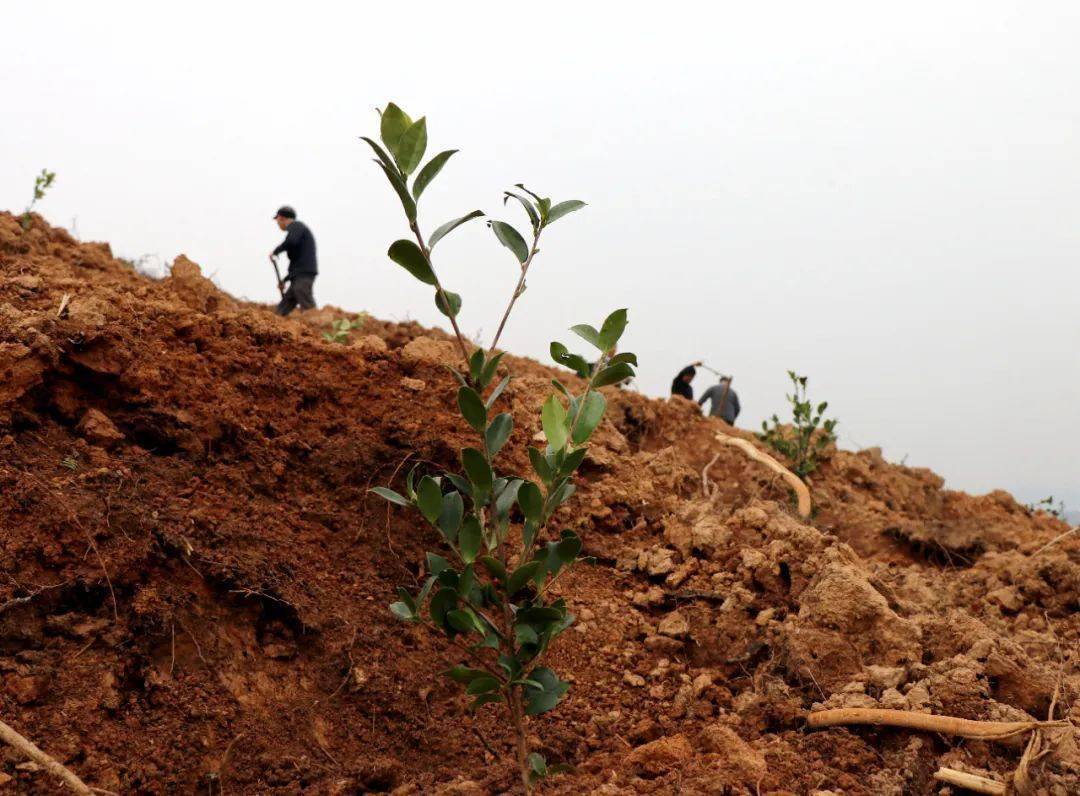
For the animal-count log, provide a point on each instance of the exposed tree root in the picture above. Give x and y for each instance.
(971, 782)
(947, 725)
(796, 483)
(27, 747)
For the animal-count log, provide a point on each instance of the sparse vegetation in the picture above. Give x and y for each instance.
(340, 328)
(42, 183)
(492, 597)
(1050, 506)
(809, 434)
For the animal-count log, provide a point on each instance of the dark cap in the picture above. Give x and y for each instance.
(286, 212)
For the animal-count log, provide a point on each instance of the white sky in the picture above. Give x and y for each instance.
(882, 196)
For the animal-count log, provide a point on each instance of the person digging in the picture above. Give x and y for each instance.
(299, 244)
(724, 401)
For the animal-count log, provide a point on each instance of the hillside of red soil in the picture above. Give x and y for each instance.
(195, 578)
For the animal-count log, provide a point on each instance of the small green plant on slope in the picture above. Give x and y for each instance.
(42, 183)
(340, 328)
(803, 442)
(1047, 504)
(491, 594)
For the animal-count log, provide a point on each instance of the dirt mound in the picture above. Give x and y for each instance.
(195, 580)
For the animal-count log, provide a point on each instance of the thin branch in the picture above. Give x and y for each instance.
(442, 293)
(517, 290)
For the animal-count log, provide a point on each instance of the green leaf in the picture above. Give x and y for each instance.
(425, 590)
(523, 635)
(476, 367)
(544, 206)
(589, 416)
(485, 699)
(393, 125)
(561, 209)
(436, 564)
(442, 603)
(429, 499)
(577, 363)
(479, 472)
(402, 191)
(487, 373)
(453, 298)
(463, 674)
(510, 665)
(612, 329)
(541, 466)
(588, 333)
(494, 567)
(450, 514)
(470, 539)
(511, 239)
(462, 485)
(537, 763)
(472, 408)
(572, 462)
(534, 217)
(402, 611)
(568, 547)
(526, 190)
(430, 171)
(499, 432)
(411, 146)
(450, 226)
(482, 685)
(506, 496)
(613, 374)
(457, 375)
(384, 159)
(561, 494)
(391, 495)
(497, 392)
(406, 598)
(541, 700)
(465, 620)
(628, 358)
(531, 500)
(553, 419)
(521, 576)
(408, 255)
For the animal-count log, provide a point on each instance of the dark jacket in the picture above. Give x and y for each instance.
(680, 387)
(730, 408)
(299, 244)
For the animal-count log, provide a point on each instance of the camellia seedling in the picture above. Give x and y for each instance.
(42, 183)
(803, 443)
(489, 590)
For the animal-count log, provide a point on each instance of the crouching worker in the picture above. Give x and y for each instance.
(299, 244)
(724, 401)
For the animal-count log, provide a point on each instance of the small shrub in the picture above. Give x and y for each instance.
(340, 328)
(1047, 504)
(42, 183)
(803, 441)
(490, 594)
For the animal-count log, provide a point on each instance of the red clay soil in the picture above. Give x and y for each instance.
(195, 579)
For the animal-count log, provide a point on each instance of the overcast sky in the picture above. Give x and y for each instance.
(882, 196)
